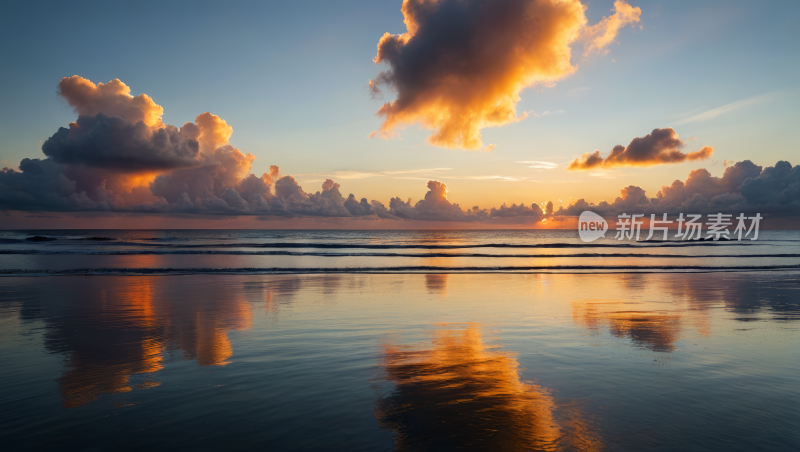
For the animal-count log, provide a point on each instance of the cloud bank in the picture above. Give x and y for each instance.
(461, 64)
(119, 156)
(659, 147)
(744, 187)
(109, 163)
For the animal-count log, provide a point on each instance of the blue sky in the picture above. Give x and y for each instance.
(291, 79)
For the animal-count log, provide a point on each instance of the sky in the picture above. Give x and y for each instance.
(299, 85)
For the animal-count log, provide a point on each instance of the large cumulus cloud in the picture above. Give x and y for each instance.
(112, 98)
(461, 64)
(110, 142)
(111, 155)
(657, 147)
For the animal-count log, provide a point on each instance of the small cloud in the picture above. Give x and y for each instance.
(425, 173)
(658, 147)
(493, 177)
(714, 112)
(540, 165)
(603, 33)
(576, 92)
(546, 113)
(490, 148)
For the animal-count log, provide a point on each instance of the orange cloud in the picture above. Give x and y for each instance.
(213, 131)
(603, 33)
(112, 98)
(660, 146)
(118, 148)
(461, 65)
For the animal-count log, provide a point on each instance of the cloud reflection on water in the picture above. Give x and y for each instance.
(116, 328)
(462, 394)
(656, 310)
(117, 332)
(121, 328)
(436, 283)
(656, 330)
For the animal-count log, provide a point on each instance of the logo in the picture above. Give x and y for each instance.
(591, 226)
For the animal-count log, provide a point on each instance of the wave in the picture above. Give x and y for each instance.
(334, 254)
(439, 247)
(40, 238)
(402, 269)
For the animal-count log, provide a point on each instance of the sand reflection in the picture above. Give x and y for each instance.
(462, 394)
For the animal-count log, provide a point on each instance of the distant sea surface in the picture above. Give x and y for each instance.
(275, 251)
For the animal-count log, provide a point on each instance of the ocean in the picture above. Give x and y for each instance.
(397, 340)
(275, 251)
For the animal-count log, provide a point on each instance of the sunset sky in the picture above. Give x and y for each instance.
(317, 89)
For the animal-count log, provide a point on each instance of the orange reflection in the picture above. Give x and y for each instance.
(461, 394)
(270, 305)
(126, 324)
(104, 365)
(209, 343)
(656, 330)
